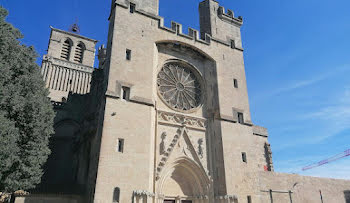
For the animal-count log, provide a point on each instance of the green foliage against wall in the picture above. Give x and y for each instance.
(26, 114)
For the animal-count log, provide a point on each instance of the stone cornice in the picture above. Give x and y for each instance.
(193, 34)
(229, 17)
(73, 34)
(260, 131)
(68, 64)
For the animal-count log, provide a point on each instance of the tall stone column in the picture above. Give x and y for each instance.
(52, 76)
(47, 74)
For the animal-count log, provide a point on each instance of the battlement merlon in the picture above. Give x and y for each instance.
(149, 6)
(176, 28)
(229, 16)
(220, 24)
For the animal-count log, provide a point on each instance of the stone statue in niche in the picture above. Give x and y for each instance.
(162, 143)
(200, 148)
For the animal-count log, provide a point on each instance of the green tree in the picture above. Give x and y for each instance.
(26, 114)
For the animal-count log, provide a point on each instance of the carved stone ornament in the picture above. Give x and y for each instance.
(182, 120)
(179, 86)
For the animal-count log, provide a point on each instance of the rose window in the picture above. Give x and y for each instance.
(179, 86)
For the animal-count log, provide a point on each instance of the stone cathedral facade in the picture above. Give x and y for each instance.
(164, 118)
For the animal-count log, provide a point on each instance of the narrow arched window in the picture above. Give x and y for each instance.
(116, 194)
(66, 49)
(79, 53)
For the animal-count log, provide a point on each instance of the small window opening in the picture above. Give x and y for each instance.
(66, 49)
(79, 53)
(249, 199)
(126, 93)
(132, 8)
(240, 118)
(244, 157)
(116, 195)
(233, 45)
(121, 145)
(235, 83)
(128, 54)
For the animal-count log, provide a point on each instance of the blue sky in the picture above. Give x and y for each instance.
(297, 56)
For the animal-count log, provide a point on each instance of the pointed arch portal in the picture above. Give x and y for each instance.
(185, 179)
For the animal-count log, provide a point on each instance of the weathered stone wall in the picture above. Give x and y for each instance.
(170, 153)
(304, 189)
(149, 6)
(151, 44)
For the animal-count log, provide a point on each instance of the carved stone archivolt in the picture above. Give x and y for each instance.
(182, 120)
(179, 86)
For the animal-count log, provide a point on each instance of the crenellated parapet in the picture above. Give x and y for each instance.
(220, 24)
(193, 34)
(229, 16)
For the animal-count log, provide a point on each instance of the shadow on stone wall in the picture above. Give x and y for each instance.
(347, 196)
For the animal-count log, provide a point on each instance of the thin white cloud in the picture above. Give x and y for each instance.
(339, 169)
(335, 117)
(302, 83)
(331, 120)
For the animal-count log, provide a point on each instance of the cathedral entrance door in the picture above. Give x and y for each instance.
(169, 201)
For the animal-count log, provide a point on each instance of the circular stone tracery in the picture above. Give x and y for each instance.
(179, 86)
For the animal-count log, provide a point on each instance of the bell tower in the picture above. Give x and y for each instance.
(68, 64)
(220, 24)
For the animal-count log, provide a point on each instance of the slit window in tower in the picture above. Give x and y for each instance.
(120, 146)
(233, 45)
(126, 93)
(66, 49)
(244, 157)
(249, 199)
(132, 8)
(235, 83)
(116, 195)
(240, 118)
(128, 54)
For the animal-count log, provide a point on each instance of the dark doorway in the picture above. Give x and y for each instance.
(186, 201)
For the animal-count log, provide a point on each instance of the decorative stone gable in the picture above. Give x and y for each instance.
(181, 146)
